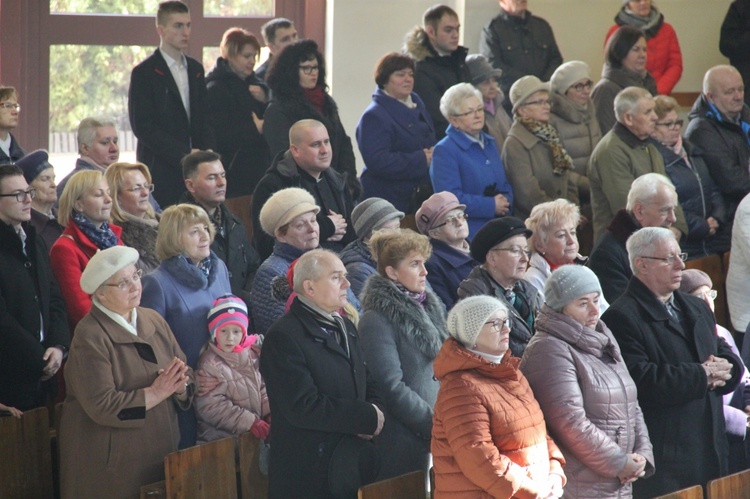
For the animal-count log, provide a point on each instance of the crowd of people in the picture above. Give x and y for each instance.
(241, 270)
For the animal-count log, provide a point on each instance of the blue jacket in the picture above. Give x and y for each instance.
(266, 308)
(446, 269)
(464, 168)
(359, 264)
(391, 138)
(181, 294)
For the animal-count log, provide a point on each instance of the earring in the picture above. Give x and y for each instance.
(474, 347)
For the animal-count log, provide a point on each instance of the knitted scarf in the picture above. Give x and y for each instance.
(316, 97)
(102, 237)
(649, 25)
(561, 160)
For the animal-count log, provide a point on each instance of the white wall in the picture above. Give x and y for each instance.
(360, 31)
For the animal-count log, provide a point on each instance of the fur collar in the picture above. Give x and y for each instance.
(423, 327)
(415, 44)
(140, 233)
(189, 275)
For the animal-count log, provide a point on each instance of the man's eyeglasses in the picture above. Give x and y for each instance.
(309, 69)
(139, 188)
(10, 105)
(470, 112)
(499, 324)
(671, 125)
(455, 220)
(669, 259)
(580, 87)
(125, 284)
(21, 196)
(515, 251)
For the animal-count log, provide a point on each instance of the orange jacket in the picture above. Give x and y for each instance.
(489, 438)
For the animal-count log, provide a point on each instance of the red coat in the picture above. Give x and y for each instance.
(68, 257)
(664, 57)
(489, 438)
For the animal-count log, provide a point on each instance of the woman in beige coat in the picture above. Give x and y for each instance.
(126, 376)
(536, 163)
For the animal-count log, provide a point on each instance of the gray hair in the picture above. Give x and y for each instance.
(87, 129)
(645, 187)
(709, 79)
(643, 242)
(450, 102)
(310, 267)
(627, 100)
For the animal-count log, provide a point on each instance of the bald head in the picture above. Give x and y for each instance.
(310, 146)
(724, 88)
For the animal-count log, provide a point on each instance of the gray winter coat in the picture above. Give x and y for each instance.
(400, 340)
(613, 80)
(590, 403)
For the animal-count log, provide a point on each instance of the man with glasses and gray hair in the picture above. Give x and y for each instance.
(33, 320)
(680, 366)
(502, 248)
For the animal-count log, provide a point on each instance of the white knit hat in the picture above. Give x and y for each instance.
(104, 264)
(466, 319)
(283, 206)
(567, 74)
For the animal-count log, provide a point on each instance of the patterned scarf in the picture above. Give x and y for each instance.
(102, 237)
(418, 297)
(561, 160)
(204, 266)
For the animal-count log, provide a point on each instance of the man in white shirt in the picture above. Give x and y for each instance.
(167, 104)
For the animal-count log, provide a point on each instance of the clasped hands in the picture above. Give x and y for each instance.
(718, 371)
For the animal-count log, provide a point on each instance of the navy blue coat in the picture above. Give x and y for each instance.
(391, 138)
(446, 269)
(359, 264)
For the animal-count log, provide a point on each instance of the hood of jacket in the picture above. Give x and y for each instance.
(568, 110)
(190, 275)
(597, 342)
(357, 252)
(424, 327)
(417, 45)
(454, 357)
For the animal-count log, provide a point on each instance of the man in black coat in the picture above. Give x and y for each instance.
(34, 334)
(652, 201)
(167, 104)
(519, 44)
(326, 407)
(307, 165)
(206, 184)
(680, 366)
(441, 61)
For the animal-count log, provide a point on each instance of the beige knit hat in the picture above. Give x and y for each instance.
(467, 317)
(524, 88)
(567, 74)
(104, 264)
(283, 206)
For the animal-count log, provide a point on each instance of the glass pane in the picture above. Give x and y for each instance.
(238, 8)
(136, 7)
(89, 80)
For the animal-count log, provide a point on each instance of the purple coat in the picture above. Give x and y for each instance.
(391, 138)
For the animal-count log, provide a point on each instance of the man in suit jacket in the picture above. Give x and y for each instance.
(679, 364)
(325, 405)
(167, 104)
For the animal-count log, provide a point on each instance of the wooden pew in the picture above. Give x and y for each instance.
(694, 492)
(25, 455)
(409, 486)
(253, 484)
(204, 471)
(736, 486)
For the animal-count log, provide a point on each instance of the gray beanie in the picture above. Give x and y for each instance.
(567, 74)
(283, 206)
(693, 279)
(104, 264)
(371, 213)
(568, 283)
(467, 317)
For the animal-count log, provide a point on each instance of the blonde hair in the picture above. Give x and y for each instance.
(115, 175)
(545, 216)
(173, 222)
(663, 104)
(76, 187)
(389, 247)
